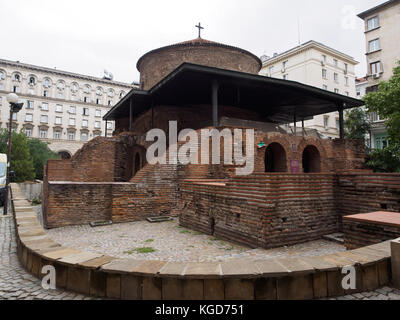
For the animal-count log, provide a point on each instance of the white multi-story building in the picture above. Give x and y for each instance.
(62, 108)
(317, 65)
(382, 38)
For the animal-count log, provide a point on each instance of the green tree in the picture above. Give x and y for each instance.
(40, 153)
(357, 124)
(21, 160)
(386, 160)
(386, 102)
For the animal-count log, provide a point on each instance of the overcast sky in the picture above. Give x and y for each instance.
(88, 36)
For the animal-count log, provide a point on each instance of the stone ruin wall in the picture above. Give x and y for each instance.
(263, 209)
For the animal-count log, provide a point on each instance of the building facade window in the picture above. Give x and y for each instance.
(372, 23)
(30, 104)
(286, 77)
(44, 119)
(376, 67)
(72, 110)
(45, 93)
(32, 81)
(97, 124)
(324, 87)
(85, 111)
(346, 81)
(29, 117)
(335, 62)
(15, 89)
(71, 136)
(46, 83)
(58, 120)
(57, 135)
(45, 106)
(324, 73)
(109, 125)
(72, 122)
(381, 141)
(98, 113)
(85, 123)
(336, 90)
(28, 132)
(326, 122)
(14, 117)
(84, 136)
(59, 108)
(336, 77)
(271, 70)
(374, 45)
(43, 134)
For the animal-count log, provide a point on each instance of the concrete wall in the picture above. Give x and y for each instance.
(32, 190)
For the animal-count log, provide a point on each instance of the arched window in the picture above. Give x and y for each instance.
(64, 155)
(311, 160)
(137, 163)
(275, 158)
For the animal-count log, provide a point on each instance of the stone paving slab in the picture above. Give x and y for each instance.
(58, 254)
(79, 258)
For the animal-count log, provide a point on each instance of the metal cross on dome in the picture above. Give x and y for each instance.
(200, 28)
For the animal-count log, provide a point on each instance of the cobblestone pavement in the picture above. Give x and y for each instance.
(168, 241)
(384, 293)
(15, 282)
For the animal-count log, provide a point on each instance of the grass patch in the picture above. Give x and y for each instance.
(141, 250)
(36, 202)
(185, 231)
(214, 239)
(149, 240)
(196, 233)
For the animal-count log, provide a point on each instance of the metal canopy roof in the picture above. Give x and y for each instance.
(275, 100)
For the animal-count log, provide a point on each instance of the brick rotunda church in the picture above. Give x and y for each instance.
(301, 185)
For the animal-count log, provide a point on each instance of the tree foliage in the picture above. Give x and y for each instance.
(357, 124)
(386, 102)
(28, 156)
(40, 153)
(21, 160)
(385, 160)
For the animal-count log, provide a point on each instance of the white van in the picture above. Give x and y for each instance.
(3, 177)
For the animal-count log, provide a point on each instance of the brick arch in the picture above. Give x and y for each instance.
(138, 159)
(275, 158)
(277, 139)
(319, 147)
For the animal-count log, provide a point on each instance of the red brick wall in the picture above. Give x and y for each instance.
(155, 66)
(263, 210)
(362, 234)
(368, 192)
(77, 203)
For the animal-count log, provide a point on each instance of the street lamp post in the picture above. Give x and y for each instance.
(15, 107)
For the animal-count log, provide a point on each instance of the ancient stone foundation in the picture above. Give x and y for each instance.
(277, 279)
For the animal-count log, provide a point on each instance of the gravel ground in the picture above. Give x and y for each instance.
(168, 241)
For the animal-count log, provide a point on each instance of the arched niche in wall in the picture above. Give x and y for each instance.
(311, 160)
(275, 158)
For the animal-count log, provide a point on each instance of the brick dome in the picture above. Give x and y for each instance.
(158, 63)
